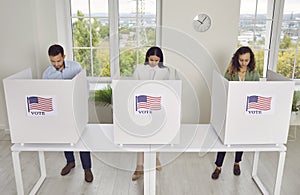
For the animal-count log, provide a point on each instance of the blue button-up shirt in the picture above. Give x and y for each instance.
(71, 70)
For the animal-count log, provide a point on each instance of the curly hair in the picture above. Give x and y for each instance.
(234, 65)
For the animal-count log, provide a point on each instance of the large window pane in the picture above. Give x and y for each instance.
(285, 65)
(137, 31)
(127, 8)
(81, 32)
(95, 61)
(129, 58)
(102, 63)
(91, 34)
(80, 5)
(251, 9)
(99, 8)
(150, 6)
(99, 32)
(128, 36)
(103, 33)
(255, 22)
(246, 33)
(90, 24)
(259, 59)
(288, 55)
(247, 9)
(83, 56)
(292, 9)
(259, 35)
(262, 8)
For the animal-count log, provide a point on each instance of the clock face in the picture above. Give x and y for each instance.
(201, 22)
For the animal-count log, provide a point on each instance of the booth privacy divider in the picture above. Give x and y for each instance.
(46, 111)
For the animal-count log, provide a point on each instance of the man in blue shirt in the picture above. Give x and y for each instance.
(65, 69)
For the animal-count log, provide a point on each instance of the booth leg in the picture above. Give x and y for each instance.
(18, 173)
(279, 175)
(149, 173)
(42, 178)
(42, 164)
(255, 163)
(256, 179)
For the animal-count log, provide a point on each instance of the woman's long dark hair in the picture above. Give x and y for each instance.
(234, 65)
(155, 51)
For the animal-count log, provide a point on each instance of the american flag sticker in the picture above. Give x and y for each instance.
(258, 103)
(147, 102)
(39, 105)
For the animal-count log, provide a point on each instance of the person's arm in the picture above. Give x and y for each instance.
(44, 75)
(228, 77)
(71, 69)
(256, 76)
(78, 67)
(173, 75)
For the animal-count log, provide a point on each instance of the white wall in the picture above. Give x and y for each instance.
(27, 29)
(17, 50)
(196, 54)
(31, 27)
(46, 27)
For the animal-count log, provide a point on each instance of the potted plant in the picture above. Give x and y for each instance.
(103, 104)
(295, 109)
(103, 96)
(296, 102)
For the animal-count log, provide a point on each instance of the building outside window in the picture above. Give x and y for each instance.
(260, 22)
(289, 48)
(256, 18)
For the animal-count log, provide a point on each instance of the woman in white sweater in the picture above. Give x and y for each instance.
(152, 69)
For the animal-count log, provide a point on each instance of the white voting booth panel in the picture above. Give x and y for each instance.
(46, 111)
(251, 112)
(146, 112)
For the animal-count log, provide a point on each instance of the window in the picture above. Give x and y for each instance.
(288, 54)
(256, 19)
(137, 27)
(110, 37)
(90, 29)
(272, 29)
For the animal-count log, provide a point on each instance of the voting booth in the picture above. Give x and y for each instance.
(46, 111)
(251, 112)
(146, 111)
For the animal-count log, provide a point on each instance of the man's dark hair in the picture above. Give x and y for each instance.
(55, 49)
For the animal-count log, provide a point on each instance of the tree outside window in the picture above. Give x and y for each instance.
(91, 34)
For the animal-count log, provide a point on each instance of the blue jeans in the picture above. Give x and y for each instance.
(85, 158)
(221, 156)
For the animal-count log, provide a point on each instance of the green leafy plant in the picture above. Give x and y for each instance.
(296, 101)
(103, 96)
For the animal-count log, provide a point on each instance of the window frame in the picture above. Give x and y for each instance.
(296, 50)
(269, 34)
(275, 11)
(274, 39)
(64, 20)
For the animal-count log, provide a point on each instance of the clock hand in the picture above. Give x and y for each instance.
(203, 20)
(200, 21)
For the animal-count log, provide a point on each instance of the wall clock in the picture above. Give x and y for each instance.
(201, 22)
